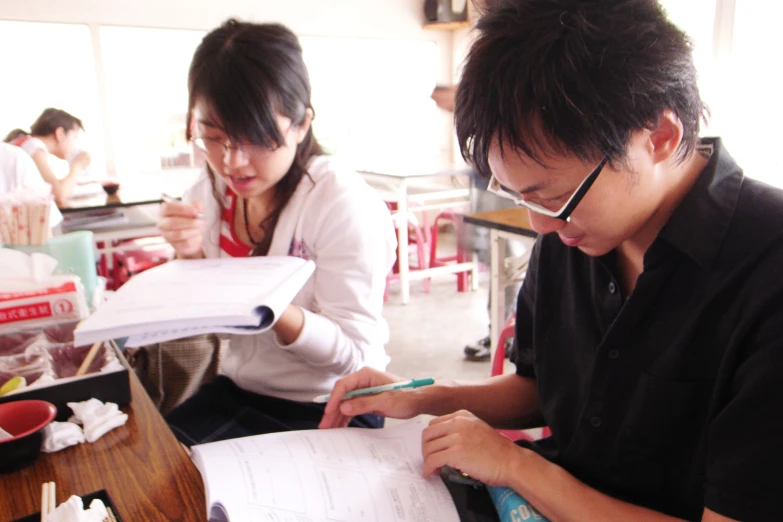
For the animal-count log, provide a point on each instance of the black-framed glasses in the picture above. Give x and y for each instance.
(564, 213)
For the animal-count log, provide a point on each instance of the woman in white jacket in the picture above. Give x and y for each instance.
(268, 189)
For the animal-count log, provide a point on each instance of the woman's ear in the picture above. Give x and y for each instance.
(303, 127)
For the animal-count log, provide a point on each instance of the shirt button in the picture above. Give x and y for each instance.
(614, 353)
(612, 287)
(595, 422)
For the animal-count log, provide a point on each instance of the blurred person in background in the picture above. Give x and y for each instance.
(54, 132)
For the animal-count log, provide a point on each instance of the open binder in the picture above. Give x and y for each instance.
(183, 298)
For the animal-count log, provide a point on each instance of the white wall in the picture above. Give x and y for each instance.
(393, 19)
(377, 19)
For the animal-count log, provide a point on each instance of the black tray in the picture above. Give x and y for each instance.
(86, 499)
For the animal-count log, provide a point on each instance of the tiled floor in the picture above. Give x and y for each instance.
(429, 333)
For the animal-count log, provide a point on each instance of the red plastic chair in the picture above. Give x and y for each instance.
(497, 369)
(137, 256)
(461, 256)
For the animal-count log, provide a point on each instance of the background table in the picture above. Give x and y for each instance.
(137, 202)
(410, 188)
(141, 465)
(511, 223)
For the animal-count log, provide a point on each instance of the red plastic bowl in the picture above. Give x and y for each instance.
(25, 421)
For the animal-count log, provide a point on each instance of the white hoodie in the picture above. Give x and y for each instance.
(335, 219)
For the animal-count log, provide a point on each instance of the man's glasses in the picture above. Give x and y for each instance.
(564, 213)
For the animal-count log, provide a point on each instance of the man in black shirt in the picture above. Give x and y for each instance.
(650, 324)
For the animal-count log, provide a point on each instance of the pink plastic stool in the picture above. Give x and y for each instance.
(417, 243)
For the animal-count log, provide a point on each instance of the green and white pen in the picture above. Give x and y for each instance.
(413, 383)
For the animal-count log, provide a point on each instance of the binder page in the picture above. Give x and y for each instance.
(272, 308)
(191, 293)
(338, 475)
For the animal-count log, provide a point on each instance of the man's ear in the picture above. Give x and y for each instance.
(59, 134)
(666, 137)
(303, 127)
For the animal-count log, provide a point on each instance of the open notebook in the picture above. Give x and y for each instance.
(190, 297)
(349, 474)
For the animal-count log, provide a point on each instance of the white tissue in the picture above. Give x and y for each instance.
(60, 435)
(72, 510)
(24, 269)
(97, 418)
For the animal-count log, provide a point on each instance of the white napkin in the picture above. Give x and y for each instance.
(72, 510)
(59, 435)
(97, 418)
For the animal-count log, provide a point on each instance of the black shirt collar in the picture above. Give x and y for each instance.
(699, 224)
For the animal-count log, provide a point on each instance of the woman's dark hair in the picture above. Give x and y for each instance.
(574, 77)
(248, 74)
(47, 123)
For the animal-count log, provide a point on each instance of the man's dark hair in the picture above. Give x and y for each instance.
(574, 77)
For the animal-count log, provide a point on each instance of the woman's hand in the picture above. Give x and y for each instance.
(81, 161)
(182, 227)
(399, 404)
(465, 442)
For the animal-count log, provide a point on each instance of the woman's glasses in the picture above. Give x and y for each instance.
(219, 148)
(564, 213)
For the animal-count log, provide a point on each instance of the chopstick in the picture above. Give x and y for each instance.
(111, 518)
(88, 360)
(48, 499)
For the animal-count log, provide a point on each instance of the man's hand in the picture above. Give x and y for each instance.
(465, 442)
(399, 404)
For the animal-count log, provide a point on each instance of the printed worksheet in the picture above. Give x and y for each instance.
(339, 475)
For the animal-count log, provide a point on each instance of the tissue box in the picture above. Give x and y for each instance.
(60, 300)
(107, 386)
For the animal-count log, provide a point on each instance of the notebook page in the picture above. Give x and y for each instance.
(192, 293)
(278, 300)
(347, 475)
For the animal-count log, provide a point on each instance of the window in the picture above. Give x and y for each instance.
(52, 66)
(146, 87)
(752, 111)
(372, 101)
(737, 79)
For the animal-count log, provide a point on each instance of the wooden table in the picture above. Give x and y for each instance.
(141, 465)
(510, 223)
(406, 188)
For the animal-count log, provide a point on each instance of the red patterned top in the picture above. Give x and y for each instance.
(229, 242)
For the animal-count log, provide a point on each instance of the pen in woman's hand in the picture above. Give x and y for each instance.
(171, 199)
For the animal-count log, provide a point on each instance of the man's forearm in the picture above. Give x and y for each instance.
(505, 401)
(560, 496)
